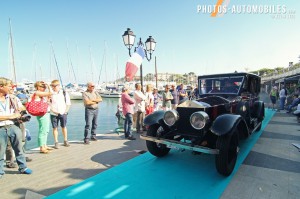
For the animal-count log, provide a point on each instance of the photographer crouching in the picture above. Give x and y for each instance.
(8, 130)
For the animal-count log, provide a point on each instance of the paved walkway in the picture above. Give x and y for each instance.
(271, 170)
(66, 166)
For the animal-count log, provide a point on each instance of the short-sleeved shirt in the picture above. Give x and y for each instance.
(59, 103)
(167, 103)
(175, 96)
(91, 96)
(181, 91)
(6, 110)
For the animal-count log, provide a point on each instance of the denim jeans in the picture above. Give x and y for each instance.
(13, 133)
(282, 102)
(91, 117)
(128, 124)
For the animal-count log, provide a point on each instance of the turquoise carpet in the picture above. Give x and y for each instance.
(178, 175)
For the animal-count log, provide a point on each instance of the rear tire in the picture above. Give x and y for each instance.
(156, 149)
(228, 150)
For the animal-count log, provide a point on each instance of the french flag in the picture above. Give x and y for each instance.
(134, 62)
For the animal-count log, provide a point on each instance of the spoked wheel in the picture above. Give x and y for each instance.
(228, 150)
(154, 148)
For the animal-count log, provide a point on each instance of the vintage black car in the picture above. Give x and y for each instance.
(227, 111)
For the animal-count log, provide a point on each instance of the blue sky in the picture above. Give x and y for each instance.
(187, 41)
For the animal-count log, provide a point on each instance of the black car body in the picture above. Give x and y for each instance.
(227, 111)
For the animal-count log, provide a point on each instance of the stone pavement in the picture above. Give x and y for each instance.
(272, 168)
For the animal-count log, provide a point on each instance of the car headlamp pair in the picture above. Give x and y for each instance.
(198, 119)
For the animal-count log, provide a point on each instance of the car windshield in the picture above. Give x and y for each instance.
(226, 85)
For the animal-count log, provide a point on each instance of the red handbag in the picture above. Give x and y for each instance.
(36, 108)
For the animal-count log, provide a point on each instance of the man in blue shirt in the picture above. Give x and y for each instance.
(182, 94)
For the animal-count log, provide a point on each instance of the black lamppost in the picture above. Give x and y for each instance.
(129, 38)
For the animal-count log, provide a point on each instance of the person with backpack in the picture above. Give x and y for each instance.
(282, 97)
(59, 107)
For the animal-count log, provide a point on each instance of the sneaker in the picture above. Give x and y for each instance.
(56, 145)
(131, 138)
(26, 171)
(86, 141)
(94, 138)
(28, 159)
(11, 165)
(66, 143)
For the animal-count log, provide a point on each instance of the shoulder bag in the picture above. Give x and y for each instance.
(36, 108)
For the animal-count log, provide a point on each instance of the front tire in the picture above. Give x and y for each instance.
(156, 149)
(228, 150)
(261, 118)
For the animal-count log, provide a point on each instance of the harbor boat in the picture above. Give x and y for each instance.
(111, 92)
(75, 91)
(75, 95)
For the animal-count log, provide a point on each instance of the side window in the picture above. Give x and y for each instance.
(245, 86)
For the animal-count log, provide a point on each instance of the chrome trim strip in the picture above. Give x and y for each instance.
(256, 127)
(180, 145)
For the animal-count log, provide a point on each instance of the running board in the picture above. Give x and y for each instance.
(180, 145)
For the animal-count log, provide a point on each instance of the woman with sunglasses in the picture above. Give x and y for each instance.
(44, 121)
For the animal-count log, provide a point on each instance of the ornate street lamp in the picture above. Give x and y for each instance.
(129, 38)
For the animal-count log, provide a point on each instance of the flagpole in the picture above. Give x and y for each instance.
(156, 74)
(141, 77)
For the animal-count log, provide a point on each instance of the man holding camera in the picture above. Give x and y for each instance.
(19, 122)
(8, 130)
(59, 106)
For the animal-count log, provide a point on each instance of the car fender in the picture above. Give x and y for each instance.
(226, 123)
(154, 118)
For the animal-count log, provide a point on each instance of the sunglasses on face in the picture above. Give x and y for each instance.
(54, 85)
(92, 86)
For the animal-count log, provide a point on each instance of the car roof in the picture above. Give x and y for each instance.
(229, 74)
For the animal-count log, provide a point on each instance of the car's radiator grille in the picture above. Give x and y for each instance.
(184, 125)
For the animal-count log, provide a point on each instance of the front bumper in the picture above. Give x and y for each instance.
(180, 145)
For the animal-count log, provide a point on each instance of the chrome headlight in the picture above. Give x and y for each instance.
(199, 119)
(170, 117)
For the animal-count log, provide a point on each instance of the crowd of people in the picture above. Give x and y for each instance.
(283, 100)
(135, 109)
(13, 116)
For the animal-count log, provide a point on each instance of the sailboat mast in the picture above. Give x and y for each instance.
(104, 57)
(12, 53)
(92, 64)
(70, 61)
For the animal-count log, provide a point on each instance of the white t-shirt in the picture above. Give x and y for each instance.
(139, 98)
(149, 98)
(282, 93)
(6, 110)
(58, 103)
